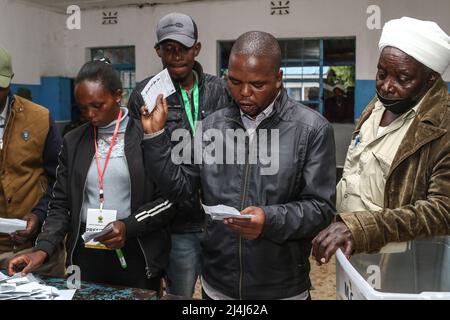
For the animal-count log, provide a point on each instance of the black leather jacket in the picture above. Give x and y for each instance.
(213, 95)
(63, 216)
(298, 201)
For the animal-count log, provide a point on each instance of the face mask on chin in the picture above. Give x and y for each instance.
(400, 106)
(397, 106)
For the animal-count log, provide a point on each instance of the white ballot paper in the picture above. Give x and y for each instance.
(12, 225)
(159, 84)
(30, 288)
(97, 220)
(221, 212)
(89, 236)
(65, 294)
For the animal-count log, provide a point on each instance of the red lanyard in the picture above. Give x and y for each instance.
(101, 172)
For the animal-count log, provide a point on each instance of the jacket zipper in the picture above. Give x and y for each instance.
(148, 273)
(79, 224)
(147, 268)
(244, 196)
(241, 271)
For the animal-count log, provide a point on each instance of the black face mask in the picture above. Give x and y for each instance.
(397, 106)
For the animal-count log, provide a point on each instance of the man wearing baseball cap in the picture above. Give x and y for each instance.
(29, 147)
(198, 95)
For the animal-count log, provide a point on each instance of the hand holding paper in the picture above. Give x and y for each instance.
(220, 212)
(115, 238)
(159, 84)
(32, 228)
(249, 229)
(155, 121)
(89, 236)
(12, 225)
(98, 223)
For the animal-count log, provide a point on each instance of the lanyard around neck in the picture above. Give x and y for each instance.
(101, 172)
(187, 106)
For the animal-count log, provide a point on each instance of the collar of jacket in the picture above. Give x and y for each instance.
(11, 101)
(15, 104)
(233, 113)
(426, 127)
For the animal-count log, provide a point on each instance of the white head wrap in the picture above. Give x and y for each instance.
(425, 41)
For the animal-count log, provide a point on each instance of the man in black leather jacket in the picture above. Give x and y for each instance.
(178, 47)
(265, 257)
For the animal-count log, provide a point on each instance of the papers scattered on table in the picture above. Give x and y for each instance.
(159, 84)
(3, 277)
(221, 212)
(30, 288)
(88, 236)
(65, 294)
(12, 225)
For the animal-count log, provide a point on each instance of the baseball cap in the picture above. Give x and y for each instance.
(177, 27)
(5, 69)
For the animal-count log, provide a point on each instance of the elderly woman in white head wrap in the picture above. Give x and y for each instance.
(414, 54)
(396, 181)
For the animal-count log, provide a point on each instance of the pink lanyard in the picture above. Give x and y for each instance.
(101, 172)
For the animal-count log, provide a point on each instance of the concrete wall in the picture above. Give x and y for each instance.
(42, 46)
(36, 40)
(226, 20)
(222, 20)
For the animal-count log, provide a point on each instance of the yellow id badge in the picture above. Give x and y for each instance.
(97, 220)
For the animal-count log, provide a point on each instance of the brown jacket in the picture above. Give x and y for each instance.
(417, 192)
(23, 181)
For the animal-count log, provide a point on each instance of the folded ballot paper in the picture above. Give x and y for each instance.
(221, 212)
(12, 225)
(30, 287)
(88, 236)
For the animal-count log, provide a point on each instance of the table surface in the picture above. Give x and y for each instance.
(97, 291)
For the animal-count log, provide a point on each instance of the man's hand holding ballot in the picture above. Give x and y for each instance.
(115, 238)
(250, 229)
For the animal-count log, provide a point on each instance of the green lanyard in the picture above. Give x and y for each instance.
(187, 106)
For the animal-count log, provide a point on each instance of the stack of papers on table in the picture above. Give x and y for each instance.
(30, 288)
(12, 225)
(221, 212)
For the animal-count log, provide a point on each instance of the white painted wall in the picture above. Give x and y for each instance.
(42, 46)
(35, 39)
(226, 20)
